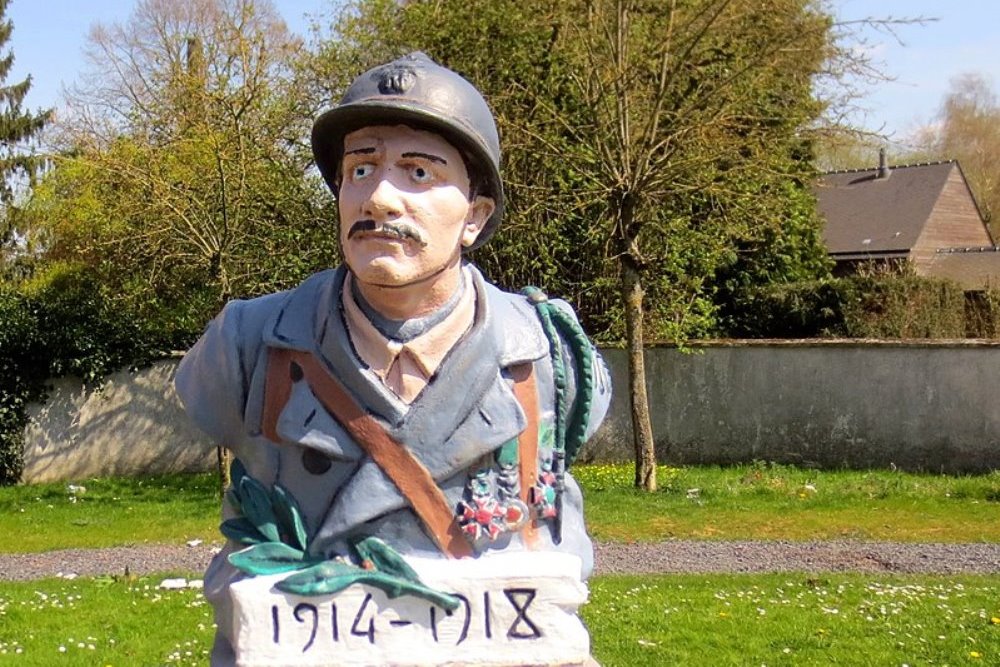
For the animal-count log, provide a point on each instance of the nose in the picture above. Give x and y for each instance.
(384, 202)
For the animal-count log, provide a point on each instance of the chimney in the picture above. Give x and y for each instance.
(883, 166)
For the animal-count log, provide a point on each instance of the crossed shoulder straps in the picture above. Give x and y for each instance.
(409, 475)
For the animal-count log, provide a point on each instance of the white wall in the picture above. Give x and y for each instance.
(132, 425)
(917, 405)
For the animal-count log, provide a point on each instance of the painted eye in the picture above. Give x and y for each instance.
(421, 174)
(362, 171)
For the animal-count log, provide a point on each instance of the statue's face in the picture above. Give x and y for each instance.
(405, 213)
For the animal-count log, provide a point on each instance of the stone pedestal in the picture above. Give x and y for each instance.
(516, 609)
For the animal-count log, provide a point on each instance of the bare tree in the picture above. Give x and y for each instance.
(191, 109)
(684, 98)
(968, 129)
(180, 173)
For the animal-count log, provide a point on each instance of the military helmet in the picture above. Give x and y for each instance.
(416, 91)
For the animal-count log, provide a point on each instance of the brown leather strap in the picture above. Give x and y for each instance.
(406, 472)
(409, 475)
(526, 393)
(277, 391)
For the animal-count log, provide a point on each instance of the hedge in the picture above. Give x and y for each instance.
(863, 306)
(59, 323)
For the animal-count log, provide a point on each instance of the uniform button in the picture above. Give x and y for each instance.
(315, 462)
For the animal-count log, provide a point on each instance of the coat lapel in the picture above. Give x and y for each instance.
(465, 412)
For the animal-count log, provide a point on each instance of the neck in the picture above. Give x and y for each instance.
(413, 300)
(406, 330)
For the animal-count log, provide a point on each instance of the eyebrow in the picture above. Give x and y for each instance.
(362, 151)
(426, 156)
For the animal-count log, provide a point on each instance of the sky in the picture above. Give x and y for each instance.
(49, 36)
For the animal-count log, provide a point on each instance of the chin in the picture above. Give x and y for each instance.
(384, 273)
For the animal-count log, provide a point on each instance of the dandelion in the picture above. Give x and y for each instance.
(995, 620)
(975, 655)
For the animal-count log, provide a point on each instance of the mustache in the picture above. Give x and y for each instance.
(401, 230)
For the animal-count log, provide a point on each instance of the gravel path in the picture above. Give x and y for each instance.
(701, 557)
(673, 556)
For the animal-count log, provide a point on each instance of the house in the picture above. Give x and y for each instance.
(922, 213)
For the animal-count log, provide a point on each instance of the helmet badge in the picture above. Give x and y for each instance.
(396, 79)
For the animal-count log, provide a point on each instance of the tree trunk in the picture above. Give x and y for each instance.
(642, 430)
(225, 459)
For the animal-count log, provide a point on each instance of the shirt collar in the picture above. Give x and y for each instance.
(427, 350)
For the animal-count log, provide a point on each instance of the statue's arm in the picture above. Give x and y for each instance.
(213, 378)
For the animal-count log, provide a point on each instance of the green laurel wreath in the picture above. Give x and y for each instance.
(271, 524)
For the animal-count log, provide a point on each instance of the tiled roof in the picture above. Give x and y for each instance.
(867, 214)
(973, 269)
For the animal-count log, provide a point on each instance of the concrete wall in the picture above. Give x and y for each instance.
(920, 406)
(132, 425)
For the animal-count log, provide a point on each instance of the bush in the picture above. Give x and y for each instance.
(878, 305)
(805, 309)
(59, 323)
(982, 314)
(21, 362)
(901, 306)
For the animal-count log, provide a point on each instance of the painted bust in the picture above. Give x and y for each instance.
(398, 405)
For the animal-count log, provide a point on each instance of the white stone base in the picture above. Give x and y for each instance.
(518, 609)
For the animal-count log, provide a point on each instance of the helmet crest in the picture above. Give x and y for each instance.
(395, 79)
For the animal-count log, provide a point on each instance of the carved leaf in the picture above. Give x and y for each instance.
(241, 530)
(268, 558)
(287, 510)
(233, 497)
(236, 474)
(330, 576)
(385, 558)
(334, 576)
(257, 508)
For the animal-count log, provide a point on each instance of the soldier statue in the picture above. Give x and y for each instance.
(399, 404)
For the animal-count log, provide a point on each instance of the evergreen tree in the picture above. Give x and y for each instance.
(17, 126)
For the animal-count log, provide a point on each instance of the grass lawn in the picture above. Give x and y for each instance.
(775, 502)
(794, 620)
(104, 621)
(109, 512)
(650, 620)
(761, 502)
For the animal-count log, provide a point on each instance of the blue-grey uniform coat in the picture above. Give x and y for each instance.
(453, 427)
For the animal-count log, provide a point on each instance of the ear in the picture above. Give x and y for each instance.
(480, 210)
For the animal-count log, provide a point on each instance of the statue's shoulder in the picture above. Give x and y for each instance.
(524, 304)
(214, 377)
(277, 317)
(245, 320)
(512, 308)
